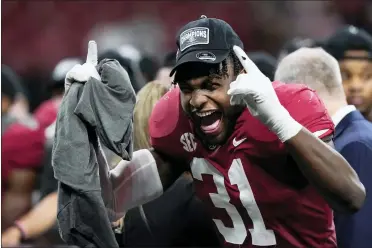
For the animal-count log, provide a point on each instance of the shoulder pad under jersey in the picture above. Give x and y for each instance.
(167, 124)
(305, 106)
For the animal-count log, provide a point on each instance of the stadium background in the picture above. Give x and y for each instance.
(36, 35)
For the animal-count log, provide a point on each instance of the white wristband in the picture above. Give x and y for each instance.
(283, 125)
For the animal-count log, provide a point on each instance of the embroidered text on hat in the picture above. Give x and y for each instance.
(194, 36)
(206, 56)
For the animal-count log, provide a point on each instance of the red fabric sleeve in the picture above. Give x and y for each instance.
(22, 148)
(305, 106)
(167, 124)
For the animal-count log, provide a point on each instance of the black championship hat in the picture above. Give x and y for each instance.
(206, 40)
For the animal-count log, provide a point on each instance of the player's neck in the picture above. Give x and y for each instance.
(334, 104)
(333, 110)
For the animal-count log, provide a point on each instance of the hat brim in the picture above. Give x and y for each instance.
(218, 57)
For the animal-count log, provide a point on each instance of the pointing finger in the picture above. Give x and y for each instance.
(92, 57)
(247, 63)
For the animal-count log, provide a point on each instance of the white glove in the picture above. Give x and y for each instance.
(82, 73)
(255, 90)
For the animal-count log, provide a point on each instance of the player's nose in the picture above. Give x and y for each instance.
(356, 86)
(198, 100)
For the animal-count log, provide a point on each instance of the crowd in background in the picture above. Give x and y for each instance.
(178, 218)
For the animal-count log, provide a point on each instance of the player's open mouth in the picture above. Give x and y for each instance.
(209, 121)
(356, 100)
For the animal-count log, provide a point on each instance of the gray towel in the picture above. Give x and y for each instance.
(102, 109)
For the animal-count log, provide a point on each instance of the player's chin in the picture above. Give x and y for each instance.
(358, 101)
(362, 107)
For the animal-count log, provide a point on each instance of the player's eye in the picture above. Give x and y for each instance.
(212, 86)
(367, 76)
(345, 75)
(186, 90)
(184, 87)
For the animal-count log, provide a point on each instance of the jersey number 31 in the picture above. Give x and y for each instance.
(238, 233)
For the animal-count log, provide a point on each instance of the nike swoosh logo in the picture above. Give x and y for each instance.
(238, 142)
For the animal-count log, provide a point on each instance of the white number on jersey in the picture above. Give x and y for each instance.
(238, 233)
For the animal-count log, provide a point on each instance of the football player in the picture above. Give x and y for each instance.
(260, 152)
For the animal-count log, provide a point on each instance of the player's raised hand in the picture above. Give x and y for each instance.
(92, 55)
(255, 90)
(82, 73)
(252, 88)
(253, 83)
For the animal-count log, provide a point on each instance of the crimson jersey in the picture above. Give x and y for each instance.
(255, 192)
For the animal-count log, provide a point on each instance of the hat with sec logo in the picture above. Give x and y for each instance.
(206, 40)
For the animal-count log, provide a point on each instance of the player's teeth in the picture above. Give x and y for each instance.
(204, 113)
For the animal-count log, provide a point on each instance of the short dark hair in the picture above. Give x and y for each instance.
(192, 70)
(296, 43)
(10, 83)
(149, 66)
(124, 62)
(265, 63)
(170, 59)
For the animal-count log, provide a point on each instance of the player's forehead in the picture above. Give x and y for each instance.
(356, 60)
(356, 66)
(356, 54)
(202, 82)
(196, 74)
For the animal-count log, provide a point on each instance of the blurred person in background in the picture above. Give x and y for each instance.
(353, 133)
(9, 92)
(163, 74)
(265, 62)
(124, 62)
(143, 67)
(41, 219)
(46, 113)
(139, 67)
(38, 226)
(294, 44)
(20, 108)
(21, 154)
(178, 217)
(149, 66)
(352, 47)
(356, 13)
(147, 97)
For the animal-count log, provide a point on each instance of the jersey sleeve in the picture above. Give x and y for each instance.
(46, 113)
(167, 124)
(22, 147)
(305, 106)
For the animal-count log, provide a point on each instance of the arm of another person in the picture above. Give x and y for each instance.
(37, 221)
(17, 197)
(355, 230)
(136, 182)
